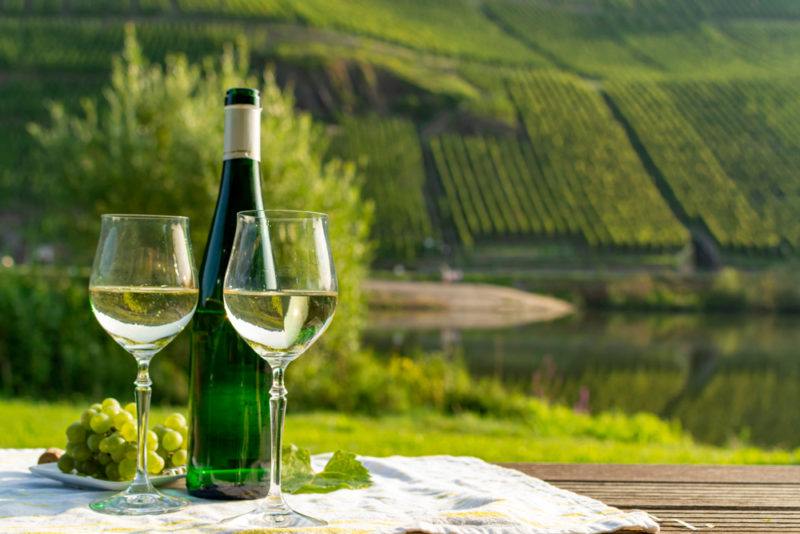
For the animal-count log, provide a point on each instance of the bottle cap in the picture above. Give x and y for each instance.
(242, 95)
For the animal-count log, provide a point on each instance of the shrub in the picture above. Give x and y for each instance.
(154, 145)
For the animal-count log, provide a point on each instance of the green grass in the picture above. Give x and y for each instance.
(30, 424)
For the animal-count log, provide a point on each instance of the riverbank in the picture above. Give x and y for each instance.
(557, 435)
(419, 304)
(775, 289)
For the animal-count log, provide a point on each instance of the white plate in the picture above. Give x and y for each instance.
(52, 471)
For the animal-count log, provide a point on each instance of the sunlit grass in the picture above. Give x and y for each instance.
(30, 424)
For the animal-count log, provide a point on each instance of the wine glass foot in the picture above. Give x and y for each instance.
(145, 503)
(289, 518)
(259, 518)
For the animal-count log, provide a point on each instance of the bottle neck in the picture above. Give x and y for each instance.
(242, 132)
(240, 190)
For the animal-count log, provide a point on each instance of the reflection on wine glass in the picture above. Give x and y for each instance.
(143, 292)
(280, 293)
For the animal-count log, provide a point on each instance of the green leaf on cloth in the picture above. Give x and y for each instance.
(343, 471)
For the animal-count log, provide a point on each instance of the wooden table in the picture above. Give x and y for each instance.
(731, 498)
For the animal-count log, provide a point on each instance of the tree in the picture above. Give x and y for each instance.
(154, 145)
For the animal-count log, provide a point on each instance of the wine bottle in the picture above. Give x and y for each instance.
(229, 397)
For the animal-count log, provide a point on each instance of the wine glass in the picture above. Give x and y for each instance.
(143, 292)
(279, 293)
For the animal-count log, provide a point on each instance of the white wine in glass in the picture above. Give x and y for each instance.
(280, 293)
(280, 325)
(143, 292)
(143, 319)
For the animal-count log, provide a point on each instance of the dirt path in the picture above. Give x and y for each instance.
(438, 305)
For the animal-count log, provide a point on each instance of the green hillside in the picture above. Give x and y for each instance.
(531, 132)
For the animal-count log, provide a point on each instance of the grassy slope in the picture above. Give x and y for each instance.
(29, 424)
(465, 57)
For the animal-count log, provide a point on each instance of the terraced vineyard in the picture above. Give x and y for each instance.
(695, 176)
(576, 174)
(389, 153)
(753, 130)
(622, 128)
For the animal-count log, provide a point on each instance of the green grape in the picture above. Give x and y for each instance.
(121, 418)
(76, 433)
(81, 452)
(70, 448)
(131, 408)
(96, 407)
(184, 432)
(128, 431)
(103, 458)
(171, 440)
(93, 442)
(127, 469)
(66, 463)
(159, 430)
(179, 457)
(110, 401)
(104, 444)
(152, 440)
(112, 471)
(101, 423)
(86, 418)
(155, 463)
(115, 442)
(91, 468)
(175, 421)
(119, 454)
(130, 451)
(111, 411)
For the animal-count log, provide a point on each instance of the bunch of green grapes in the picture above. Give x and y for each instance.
(103, 443)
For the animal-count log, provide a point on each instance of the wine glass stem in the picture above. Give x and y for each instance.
(143, 392)
(277, 413)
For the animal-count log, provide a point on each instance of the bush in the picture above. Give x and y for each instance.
(154, 145)
(52, 348)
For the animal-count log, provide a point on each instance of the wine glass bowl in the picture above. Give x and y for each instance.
(143, 292)
(280, 294)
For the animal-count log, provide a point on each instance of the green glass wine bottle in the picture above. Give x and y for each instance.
(229, 397)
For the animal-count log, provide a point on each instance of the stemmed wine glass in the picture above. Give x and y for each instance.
(280, 293)
(143, 292)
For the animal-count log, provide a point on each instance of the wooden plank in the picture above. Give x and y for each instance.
(688, 495)
(733, 499)
(739, 474)
(728, 521)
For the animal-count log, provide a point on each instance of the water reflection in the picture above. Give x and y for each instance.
(724, 377)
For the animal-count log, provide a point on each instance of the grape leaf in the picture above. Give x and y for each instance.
(343, 471)
(297, 469)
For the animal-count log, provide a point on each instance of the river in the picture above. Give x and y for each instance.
(726, 378)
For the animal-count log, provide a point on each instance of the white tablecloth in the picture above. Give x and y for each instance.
(438, 494)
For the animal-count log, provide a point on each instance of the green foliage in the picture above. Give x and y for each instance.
(89, 44)
(52, 348)
(35, 424)
(258, 8)
(730, 126)
(153, 146)
(450, 27)
(342, 471)
(580, 146)
(576, 175)
(389, 153)
(751, 128)
(695, 176)
(729, 290)
(621, 38)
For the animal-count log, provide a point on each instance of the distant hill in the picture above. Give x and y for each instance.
(494, 134)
